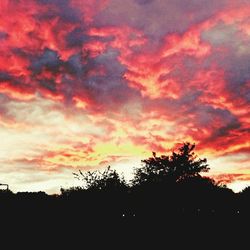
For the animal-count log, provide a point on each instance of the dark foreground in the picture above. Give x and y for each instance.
(59, 223)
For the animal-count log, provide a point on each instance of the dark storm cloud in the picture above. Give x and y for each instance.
(48, 84)
(109, 90)
(223, 131)
(4, 76)
(60, 63)
(3, 35)
(222, 35)
(48, 60)
(100, 79)
(76, 37)
(157, 18)
(143, 1)
(74, 65)
(238, 76)
(189, 113)
(220, 121)
(62, 9)
(235, 60)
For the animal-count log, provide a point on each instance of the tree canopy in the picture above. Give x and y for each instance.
(176, 167)
(109, 179)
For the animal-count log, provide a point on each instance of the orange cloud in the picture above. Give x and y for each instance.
(229, 178)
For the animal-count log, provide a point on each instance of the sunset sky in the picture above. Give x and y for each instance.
(89, 83)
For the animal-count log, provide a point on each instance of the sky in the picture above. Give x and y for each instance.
(85, 84)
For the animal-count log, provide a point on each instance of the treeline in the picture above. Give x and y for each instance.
(165, 187)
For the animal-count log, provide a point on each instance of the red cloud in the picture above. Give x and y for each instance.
(230, 178)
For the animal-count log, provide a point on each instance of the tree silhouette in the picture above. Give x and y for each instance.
(166, 188)
(246, 191)
(109, 179)
(103, 194)
(168, 192)
(244, 201)
(177, 167)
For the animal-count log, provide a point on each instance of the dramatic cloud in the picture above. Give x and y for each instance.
(157, 17)
(86, 84)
